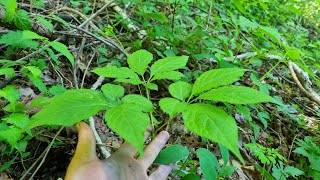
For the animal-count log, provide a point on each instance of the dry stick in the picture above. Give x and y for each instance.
(86, 70)
(310, 94)
(44, 155)
(105, 153)
(109, 43)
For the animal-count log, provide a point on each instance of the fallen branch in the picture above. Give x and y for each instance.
(303, 82)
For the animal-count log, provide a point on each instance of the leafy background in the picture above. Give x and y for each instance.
(159, 65)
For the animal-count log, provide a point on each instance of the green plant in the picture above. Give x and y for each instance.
(309, 149)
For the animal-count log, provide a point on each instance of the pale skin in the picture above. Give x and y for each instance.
(122, 165)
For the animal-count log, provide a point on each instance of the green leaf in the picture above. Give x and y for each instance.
(48, 24)
(10, 7)
(7, 71)
(213, 123)
(226, 171)
(244, 23)
(19, 37)
(272, 33)
(14, 107)
(10, 93)
(69, 108)
(180, 90)
(208, 161)
(139, 60)
(11, 135)
(122, 74)
(215, 78)
(172, 106)
(172, 154)
(152, 86)
(37, 81)
(22, 20)
(225, 154)
(57, 90)
(190, 177)
(17, 119)
(293, 171)
(129, 122)
(171, 75)
(139, 102)
(158, 16)
(239, 6)
(237, 95)
(113, 92)
(36, 72)
(6, 165)
(63, 49)
(39, 102)
(168, 64)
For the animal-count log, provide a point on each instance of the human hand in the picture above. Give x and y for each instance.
(119, 166)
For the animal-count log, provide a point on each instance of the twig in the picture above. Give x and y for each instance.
(86, 70)
(105, 153)
(109, 43)
(43, 156)
(305, 88)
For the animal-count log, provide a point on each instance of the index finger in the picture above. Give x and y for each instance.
(153, 149)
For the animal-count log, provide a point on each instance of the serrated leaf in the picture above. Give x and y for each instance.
(139, 60)
(215, 78)
(208, 162)
(10, 93)
(69, 108)
(39, 102)
(10, 7)
(180, 90)
(21, 20)
(113, 92)
(129, 122)
(152, 86)
(172, 154)
(122, 74)
(17, 119)
(11, 135)
(237, 95)
(36, 72)
(37, 81)
(168, 64)
(172, 106)
(138, 102)
(171, 75)
(213, 123)
(7, 71)
(48, 24)
(63, 49)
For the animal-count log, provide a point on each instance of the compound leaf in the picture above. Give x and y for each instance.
(213, 123)
(139, 60)
(237, 95)
(215, 78)
(70, 107)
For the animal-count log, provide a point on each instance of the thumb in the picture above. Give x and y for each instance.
(85, 151)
